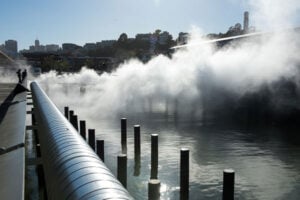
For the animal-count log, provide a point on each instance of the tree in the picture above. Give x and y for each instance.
(234, 30)
(123, 38)
(157, 32)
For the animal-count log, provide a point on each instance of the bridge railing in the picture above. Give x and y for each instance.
(72, 169)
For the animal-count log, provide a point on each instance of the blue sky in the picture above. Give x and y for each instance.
(81, 21)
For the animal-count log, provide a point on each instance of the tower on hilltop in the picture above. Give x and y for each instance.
(246, 22)
(36, 43)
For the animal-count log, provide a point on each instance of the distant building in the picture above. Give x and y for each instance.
(70, 47)
(36, 44)
(143, 36)
(90, 46)
(37, 47)
(11, 46)
(106, 43)
(31, 48)
(182, 38)
(40, 48)
(52, 47)
(153, 40)
(2, 47)
(164, 37)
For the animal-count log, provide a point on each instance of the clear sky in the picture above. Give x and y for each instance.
(82, 21)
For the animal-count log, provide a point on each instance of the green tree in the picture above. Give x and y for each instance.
(123, 38)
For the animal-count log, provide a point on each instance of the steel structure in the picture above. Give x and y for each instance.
(72, 169)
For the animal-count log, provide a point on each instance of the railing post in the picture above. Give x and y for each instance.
(124, 135)
(228, 184)
(122, 169)
(184, 174)
(92, 138)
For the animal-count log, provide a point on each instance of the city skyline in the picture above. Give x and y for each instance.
(57, 22)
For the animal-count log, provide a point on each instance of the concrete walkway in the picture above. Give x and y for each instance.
(12, 138)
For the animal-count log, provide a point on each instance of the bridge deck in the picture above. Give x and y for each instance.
(12, 137)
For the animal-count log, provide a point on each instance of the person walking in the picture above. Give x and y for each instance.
(19, 75)
(24, 74)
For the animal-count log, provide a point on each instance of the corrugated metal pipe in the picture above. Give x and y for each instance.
(72, 169)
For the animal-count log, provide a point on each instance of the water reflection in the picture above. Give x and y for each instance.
(137, 165)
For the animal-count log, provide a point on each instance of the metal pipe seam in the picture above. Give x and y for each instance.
(72, 169)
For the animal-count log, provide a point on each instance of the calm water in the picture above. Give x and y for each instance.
(266, 162)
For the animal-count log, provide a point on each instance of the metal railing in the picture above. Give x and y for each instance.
(72, 169)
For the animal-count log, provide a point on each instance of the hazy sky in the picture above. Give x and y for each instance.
(81, 21)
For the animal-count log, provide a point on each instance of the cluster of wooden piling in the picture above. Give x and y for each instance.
(154, 182)
(96, 145)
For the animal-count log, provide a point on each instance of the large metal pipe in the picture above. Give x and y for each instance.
(72, 169)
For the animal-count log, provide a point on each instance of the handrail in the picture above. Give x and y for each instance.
(72, 169)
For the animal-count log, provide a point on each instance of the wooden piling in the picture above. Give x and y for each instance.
(184, 174)
(228, 184)
(100, 149)
(153, 189)
(122, 169)
(137, 166)
(82, 129)
(71, 113)
(92, 138)
(154, 156)
(124, 135)
(75, 122)
(66, 109)
(137, 141)
(71, 118)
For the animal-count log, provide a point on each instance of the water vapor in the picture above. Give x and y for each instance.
(197, 79)
(8, 72)
(274, 14)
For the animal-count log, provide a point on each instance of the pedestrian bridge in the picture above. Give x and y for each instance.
(69, 167)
